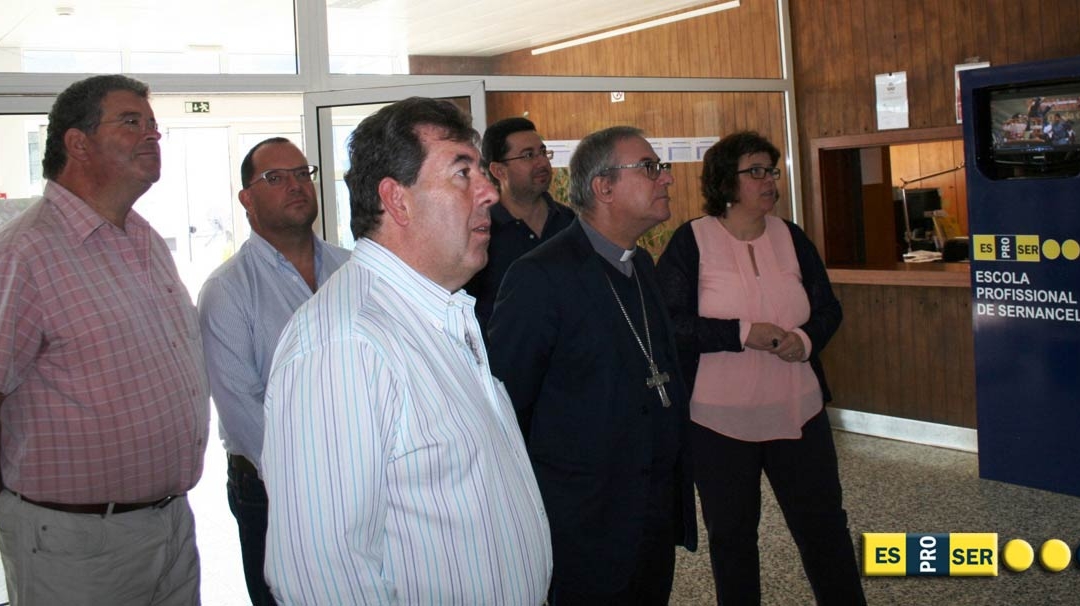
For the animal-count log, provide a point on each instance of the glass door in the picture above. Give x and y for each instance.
(331, 116)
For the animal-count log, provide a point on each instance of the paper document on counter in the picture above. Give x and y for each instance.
(921, 256)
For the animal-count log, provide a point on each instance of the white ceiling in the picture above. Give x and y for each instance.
(416, 27)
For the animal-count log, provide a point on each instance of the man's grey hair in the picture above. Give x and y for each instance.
(592, 158)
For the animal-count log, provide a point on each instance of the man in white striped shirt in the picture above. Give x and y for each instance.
(392, 458)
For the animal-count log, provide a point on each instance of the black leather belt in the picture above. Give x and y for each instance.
(243, 465)
(101, 509)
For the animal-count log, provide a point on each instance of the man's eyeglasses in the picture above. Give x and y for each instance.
(760, 172)
(531, 155)
(652, 168)
(134, 123)
(278, 177)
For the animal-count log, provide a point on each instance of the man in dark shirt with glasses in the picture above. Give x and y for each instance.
(519, 164)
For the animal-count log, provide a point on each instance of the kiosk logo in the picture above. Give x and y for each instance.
(898, 554)
(1028, 248)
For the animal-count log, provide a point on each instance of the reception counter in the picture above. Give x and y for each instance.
(905, 347)
(949, 275)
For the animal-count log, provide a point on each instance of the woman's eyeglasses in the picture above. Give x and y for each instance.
(760, 172)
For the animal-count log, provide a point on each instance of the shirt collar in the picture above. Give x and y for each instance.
(81, 218)
(266, 250)
(501, 216)
(431, 299)
(620, 258)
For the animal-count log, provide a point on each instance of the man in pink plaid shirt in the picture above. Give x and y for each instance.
(104, 404)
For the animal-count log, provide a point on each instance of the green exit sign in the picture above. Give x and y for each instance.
(197, 107)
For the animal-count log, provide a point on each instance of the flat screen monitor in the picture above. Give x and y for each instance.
(921, 202)
(1032, 130)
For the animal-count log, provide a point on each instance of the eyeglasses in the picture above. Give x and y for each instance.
(531, 155)
(278, 177)
(135, 123)
(760, 172)
(652, 168)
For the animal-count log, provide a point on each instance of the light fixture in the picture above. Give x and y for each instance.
(637, 27)
(65, 11)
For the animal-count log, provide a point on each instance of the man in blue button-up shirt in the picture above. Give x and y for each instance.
(242, 308)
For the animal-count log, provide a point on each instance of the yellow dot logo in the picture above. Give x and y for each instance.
(1054, 555)
(1070, 249)
(1051, 249)
(1018, 555)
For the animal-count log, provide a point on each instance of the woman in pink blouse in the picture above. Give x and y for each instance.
(753, 308)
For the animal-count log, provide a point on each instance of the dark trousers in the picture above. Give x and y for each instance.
(248, 502)
(804, 477)
(650, 585)
(654, 567)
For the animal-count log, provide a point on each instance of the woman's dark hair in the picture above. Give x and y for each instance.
(79, 106)
(719, 173)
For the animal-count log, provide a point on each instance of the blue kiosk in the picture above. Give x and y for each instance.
(1023, 178)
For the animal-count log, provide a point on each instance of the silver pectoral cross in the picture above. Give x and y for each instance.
(657, 380)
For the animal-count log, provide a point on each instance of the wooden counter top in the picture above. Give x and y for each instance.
(955, 275)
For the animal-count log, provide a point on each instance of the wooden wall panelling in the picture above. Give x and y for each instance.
(862, 374)
(935, 157)
(741, 43)
(841, 187)
(1030, 13)
(1000, 23)
(880, 56)
(879, 215)
(859, 63)
(913, 61)
(940, 83)
(882, 305)
(904, 351)
(768, 55)
(900, 357)
(442, 65)
(712, 36)
(905, 164)
(925, 357)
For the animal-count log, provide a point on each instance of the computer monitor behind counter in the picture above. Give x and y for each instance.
(920, 202)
